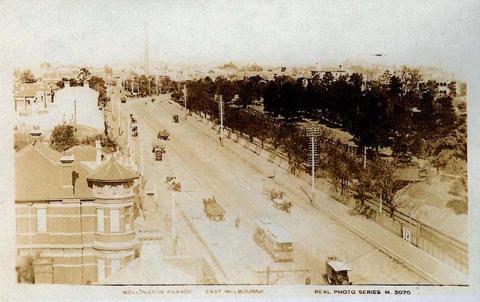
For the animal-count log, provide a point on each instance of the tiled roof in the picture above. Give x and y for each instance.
(83, 152)
(39, 176)
(41, 148)
(112, 170)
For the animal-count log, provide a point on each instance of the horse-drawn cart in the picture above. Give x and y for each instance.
(158, 149)
(213, 210)
(163, 134)
(280, 201)
(174, 184)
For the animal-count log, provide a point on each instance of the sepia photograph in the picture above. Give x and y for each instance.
(239, 149)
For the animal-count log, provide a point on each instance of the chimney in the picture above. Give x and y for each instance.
(36, 135)
(98, 148)
(66, 161)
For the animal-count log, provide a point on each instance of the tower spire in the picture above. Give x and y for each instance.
(146, 53)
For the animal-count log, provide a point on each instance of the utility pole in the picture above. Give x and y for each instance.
(313, 131)
(364, 157)
(185, 95)
(220, 108)
(174, 226)
(75, 115)
(146, 52)
(119, 123)
(142, 165)
(155, 186)
(132, 148)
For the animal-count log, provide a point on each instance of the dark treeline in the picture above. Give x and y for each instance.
(143, 86)
(400, 111)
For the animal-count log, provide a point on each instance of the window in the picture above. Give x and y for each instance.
(115, 265)
(100, 223)
(41, 220)
(100, 269)
(114, 220)
(128, 218)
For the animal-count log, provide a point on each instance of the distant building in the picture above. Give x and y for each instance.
(31, 96)
(72, 105)
(75, 218)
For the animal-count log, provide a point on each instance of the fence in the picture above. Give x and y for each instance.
(438, 244)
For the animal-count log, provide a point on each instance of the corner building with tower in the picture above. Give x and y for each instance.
(74, 218)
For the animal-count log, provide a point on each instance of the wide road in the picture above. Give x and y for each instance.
(239, 180)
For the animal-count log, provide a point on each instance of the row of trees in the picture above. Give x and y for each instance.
(340, 165)
(148, 85)
(401, 111)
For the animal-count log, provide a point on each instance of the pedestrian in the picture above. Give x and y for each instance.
(237, 221)
(308, 281)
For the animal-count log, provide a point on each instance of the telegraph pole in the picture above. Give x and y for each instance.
(142, 165)
(313, 132)
(75, 114)
(155, 186)
(364, 157)
(220, 108)
(174, 226)
(146, 52)
(185, 95)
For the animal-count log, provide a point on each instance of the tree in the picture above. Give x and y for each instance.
(83, 75)
(342, 167)
(63, 138)
(386, 184)
(246, 93)
(98, 84)
(363, 187)
(105, 141)
(228, 89)
(26, 272)
(445, 115)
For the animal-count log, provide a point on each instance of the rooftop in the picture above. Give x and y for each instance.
(150, 268)
(112, 171)
(39, 175)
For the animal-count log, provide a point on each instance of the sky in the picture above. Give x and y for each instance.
(438, 33)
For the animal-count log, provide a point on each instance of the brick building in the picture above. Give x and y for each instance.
(75, 218)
